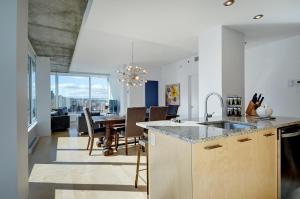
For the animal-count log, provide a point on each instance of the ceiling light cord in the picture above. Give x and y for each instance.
(132, 75)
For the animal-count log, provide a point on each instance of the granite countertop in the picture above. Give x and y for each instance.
(193, 132)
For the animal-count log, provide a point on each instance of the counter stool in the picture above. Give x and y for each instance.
(142, 144)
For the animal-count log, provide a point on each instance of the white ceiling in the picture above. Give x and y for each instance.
(165, 31)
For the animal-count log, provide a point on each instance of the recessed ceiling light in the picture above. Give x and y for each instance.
(258, 16)
(228, 2)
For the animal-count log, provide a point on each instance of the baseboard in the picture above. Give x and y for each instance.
(33, 144)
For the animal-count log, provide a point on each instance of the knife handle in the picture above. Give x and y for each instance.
(258, 99)
(254, 99)
(262, 99)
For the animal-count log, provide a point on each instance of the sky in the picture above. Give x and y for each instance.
(78, 86)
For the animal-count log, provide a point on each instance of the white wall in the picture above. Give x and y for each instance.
(137, 94)
(115, 86)
(179, 72)
(13, 73)
(32, 134)
(124, 99)
(221, 66)
(42, 127)
(268, 68)
(43, 96)
(210, 68)
(233, 64)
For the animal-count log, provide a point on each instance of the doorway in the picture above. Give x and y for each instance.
(193, 103)
(151, 93)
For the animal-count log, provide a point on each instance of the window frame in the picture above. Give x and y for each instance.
(31, 66)
(89, 75)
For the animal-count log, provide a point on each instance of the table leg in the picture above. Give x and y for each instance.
(107, 150)
(100, 142)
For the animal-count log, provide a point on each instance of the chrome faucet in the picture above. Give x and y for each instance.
(206, 115)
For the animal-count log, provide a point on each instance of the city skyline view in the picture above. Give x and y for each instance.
(78, 86)
(73, 92)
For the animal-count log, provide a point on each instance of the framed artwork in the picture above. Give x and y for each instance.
(173, 94)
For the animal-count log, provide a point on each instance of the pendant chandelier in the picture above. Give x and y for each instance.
(132, 75)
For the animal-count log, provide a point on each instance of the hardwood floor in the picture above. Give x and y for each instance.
(60, 168)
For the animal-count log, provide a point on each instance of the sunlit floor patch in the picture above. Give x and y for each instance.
(74, 150)
(61, 168)
(83, 174)
(71, 142)
(82, 194)
(73, 155)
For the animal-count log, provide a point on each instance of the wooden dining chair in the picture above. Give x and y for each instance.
(131, 130)
(158, 113)
(172, 110)
(92, 132)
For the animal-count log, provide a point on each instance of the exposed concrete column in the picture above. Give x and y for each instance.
(13, 100)
(221, 66)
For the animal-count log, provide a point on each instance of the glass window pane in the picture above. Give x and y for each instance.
(73, 92)
(33, 90)
(99, 93)
(53, 91)
(28, 92)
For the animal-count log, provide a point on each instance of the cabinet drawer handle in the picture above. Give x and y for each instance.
(212, 147)
(244, 140)
(269, 134)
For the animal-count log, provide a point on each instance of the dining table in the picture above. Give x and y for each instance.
(108, 122)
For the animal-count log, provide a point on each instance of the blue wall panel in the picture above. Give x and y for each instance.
(151, 93)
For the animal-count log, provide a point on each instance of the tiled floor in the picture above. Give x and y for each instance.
(61, 168)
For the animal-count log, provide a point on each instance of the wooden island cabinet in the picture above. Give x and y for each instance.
(234, 167)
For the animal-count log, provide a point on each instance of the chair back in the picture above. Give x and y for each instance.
(89, 121)
(172, 110)
(158, 113)
(134, 115)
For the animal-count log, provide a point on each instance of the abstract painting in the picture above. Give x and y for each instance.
(173, 94)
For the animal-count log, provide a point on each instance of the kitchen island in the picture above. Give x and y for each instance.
(193, 160)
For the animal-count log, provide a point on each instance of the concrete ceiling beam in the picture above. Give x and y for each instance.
(53, 29)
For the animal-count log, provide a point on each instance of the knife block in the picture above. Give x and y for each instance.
(251, 109)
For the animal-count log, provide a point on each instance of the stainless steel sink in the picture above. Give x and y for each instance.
(228, 125)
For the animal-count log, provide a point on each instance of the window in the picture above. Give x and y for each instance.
(78, 91)
(53, 91)
(31, 91)
(28, 92)
(99, 93)
(73, 92)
